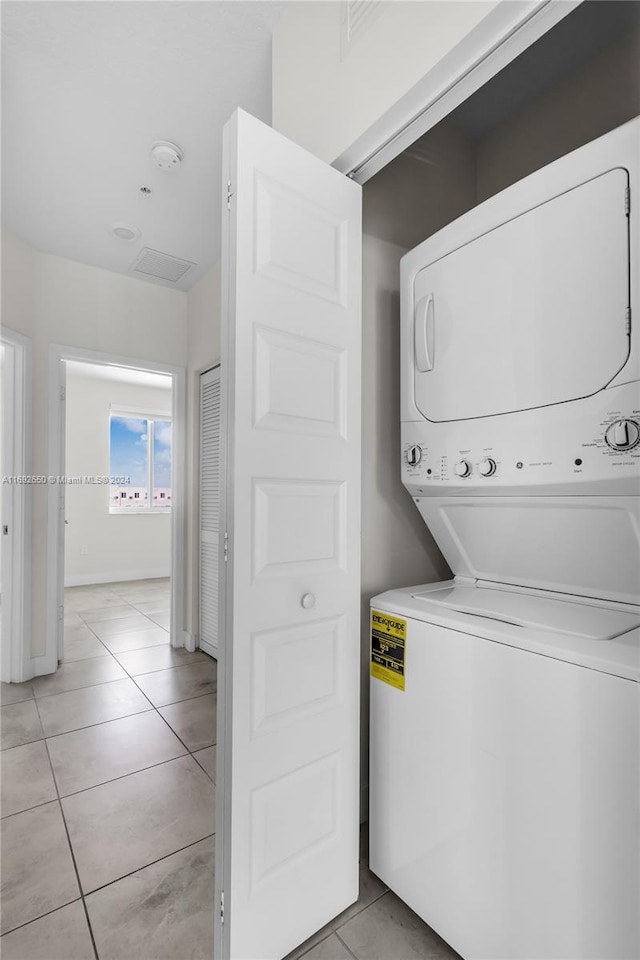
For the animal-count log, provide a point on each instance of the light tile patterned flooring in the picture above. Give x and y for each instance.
(108, 803)
(108, 794)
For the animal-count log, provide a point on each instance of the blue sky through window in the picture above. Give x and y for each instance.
(128, 451)
(161, 453)
(129, 458)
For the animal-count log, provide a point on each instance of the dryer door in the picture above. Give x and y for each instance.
(529, 314)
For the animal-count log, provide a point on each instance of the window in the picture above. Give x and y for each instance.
(139, 463)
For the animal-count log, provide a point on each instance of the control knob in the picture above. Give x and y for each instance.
(487, 467)
(623, 434)
(462, 468)
(414, 455)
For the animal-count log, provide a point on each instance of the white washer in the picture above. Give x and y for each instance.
(505, 742)
(504, 777)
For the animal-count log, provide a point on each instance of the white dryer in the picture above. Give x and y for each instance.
(505, 707)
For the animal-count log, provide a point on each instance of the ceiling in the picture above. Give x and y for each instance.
(89, 86)
(100, 371)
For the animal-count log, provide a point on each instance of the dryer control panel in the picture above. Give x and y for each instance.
(589, 446)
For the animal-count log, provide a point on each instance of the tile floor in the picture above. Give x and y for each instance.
(108, 801)
(108, 794)
(378, 927)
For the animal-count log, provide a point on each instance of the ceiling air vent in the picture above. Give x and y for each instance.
(356, 18)
(163, 266)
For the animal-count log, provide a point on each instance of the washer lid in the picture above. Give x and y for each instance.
(618, 656)
(590, 621)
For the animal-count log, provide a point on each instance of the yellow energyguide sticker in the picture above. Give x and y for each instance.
(388, 645)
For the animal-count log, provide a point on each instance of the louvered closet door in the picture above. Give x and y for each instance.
(209, 509)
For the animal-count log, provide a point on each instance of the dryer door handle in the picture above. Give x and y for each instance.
(423, 333)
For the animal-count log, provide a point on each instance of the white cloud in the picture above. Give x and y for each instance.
(134, 424)
(162, 434)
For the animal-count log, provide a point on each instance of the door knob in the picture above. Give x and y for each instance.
(308, 601)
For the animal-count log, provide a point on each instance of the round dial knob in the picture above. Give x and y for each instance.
(487, 467)
(462, 468)
(622, 434)
(414, 455)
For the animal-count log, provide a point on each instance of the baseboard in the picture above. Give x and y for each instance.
(84, 579)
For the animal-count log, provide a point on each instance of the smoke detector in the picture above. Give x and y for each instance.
(165, 155)
(124, 231)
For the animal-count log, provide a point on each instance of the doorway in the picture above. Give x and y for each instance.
(118, 428)
(15, 444)
(111, 412)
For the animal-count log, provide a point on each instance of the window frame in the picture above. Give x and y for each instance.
(150, 416)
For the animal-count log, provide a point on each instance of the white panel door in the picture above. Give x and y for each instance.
(531, 313)
(289, 669)
(210, 421)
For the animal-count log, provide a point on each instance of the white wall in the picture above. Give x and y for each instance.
(80, 306)
(423, 189)
(203, 321)
(100, 546)
(397, 548)
(325, 103)
(18, 295)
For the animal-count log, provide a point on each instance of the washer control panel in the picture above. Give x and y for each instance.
(583, 443)
(623, 434)
(463, 468)
(413, 455)
(487, 467)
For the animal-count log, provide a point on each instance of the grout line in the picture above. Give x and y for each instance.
(116, 636)
(100, 656)
(175, 666)
(316, 943)
(94, 636)
(87, 686)
(88, 919)
(98, 724)
(363, 907)
(16, 702)
(71, 851)
(4, 749)
(199, 696)
(349, 951)
(188, 749)
(151, 864)
(123, 776)
(35, 806)
(200, 765)
(158, 669)
(84, 686)
(92, 610)
(41, 917)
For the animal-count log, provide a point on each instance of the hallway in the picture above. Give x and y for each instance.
(108, 795)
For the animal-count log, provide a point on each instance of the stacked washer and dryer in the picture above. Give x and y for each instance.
(505, 706)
